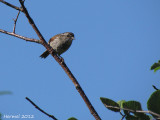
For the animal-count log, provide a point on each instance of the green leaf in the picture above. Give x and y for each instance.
(121, 103)
(131, 117)
(153, 103)
(72, 118)
(0, 116)
(155, 66)
(132, 105)
(156, 69)
(143, 116)
(110, 104)
(5, 92)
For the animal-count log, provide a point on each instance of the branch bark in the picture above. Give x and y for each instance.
(15, 21)
(155, 87)
(19, 36)
(10, 5)
(51, 51)
(134, 111)
(38, 108)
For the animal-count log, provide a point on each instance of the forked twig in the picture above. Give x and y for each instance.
(15, 21)
(62, 64)
(10, 5)
(123, 117)
(21, 37)
(38, 108)
(51, 51)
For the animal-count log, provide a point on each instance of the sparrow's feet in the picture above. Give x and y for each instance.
(61, 60)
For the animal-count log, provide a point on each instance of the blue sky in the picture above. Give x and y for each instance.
(116, 43)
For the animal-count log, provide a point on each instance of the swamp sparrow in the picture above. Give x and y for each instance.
(60, 43)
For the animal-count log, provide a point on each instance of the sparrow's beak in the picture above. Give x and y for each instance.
(73, 38)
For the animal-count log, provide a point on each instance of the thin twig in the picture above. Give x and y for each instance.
(51, 51)
(10, 5)
(38, 108)
(62, 64)
(134, 111)
(123, 117)
(155, 87)
(32, 23)
(121, 113)
(19, 36)
(15, 21)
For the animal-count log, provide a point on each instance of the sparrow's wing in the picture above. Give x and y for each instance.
(52, 39)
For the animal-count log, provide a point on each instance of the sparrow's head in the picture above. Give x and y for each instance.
(70, 35)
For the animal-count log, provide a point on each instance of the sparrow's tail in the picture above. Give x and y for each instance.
(45, 54)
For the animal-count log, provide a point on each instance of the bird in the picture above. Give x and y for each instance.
(60, 43)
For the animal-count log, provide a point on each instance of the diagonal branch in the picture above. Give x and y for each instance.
(19, 36)
(38, 108)
(62, 64)
(52, 52)
(155, 87)
(10, 5)
(30, 20)
(123, 117)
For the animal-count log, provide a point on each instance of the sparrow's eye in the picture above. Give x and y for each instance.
(70, 35)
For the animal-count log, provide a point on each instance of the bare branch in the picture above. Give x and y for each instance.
(19, 36)
(134, 111)
(15, 21)
(155, 87)
(38, 108)
(123, 117)
(10, 5)
(52, 52)
(62, 64)
(33, 24)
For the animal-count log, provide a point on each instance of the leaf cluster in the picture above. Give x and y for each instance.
(132, 110)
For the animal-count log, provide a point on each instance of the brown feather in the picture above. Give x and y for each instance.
(45, 54)
(52, 38)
